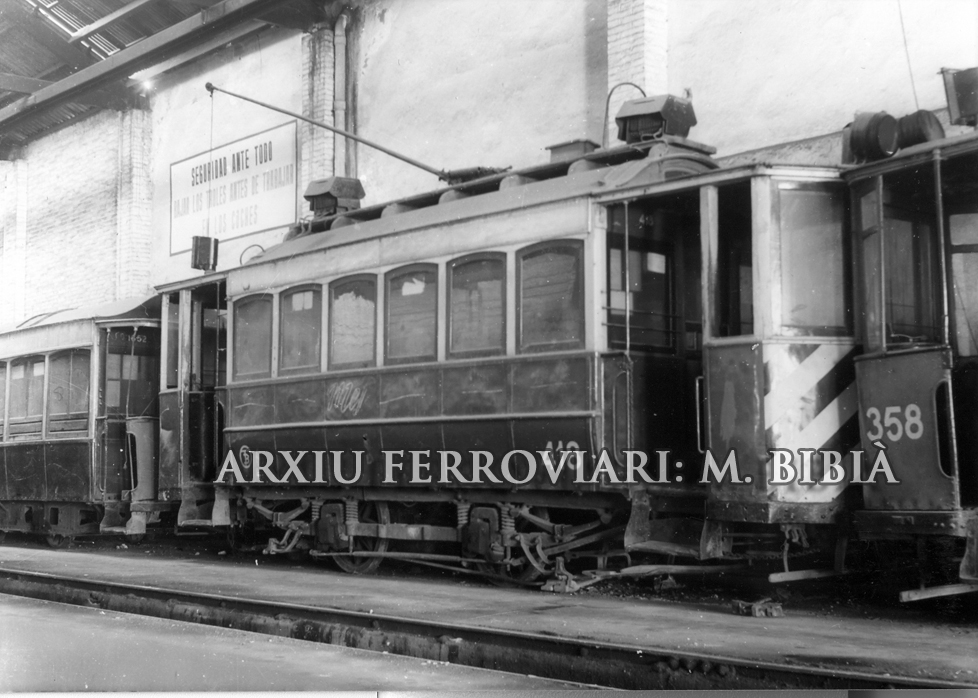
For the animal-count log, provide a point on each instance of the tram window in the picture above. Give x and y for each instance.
(964, 270)
(412, 299)
(131, 372)
(352, 322)
(551, 301)
(26, 395)
(3, 395)
(477, 302)
(813, 297)
(911, 311)
(253, 337)
(735, 283)
(300, 319)
(172, 340)
(68, 385)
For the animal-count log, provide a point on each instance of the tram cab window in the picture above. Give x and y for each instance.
(911, 258)
(964, 277)
(26, 396)
(412, 313)
(253, 337)
(477, 306)
(551, 296)
(131, 372)
(734, 305)
(68, 391)
(813, 278)
(352, 322)
(300, 320)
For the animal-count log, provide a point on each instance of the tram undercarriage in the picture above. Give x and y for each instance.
(522, 540)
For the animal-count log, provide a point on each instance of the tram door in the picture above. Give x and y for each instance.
(654, 316)
(191, 416)
(918, 383)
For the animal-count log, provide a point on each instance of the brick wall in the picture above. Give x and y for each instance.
(75, 217)
(637, 51)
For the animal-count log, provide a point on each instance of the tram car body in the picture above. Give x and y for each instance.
(501, 315)
(79, 427)
(915, 223)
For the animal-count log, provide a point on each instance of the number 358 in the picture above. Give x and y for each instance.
(895, 422)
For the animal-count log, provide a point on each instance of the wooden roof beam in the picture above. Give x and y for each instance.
(109, 19)
(21, 84)
(46, 36)
(152, 49)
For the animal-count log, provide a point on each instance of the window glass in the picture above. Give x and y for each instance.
(735, 283)
(964, 268)
(352, 320)
(253, 337)
(300, 317)
(813, 298)
(172, 340)
(131, 372)
(964, 228)
(68, 386)
(412, 299)
(551, 297)
(3, 390)
(910, 303)
(478, 306)
(26, 396)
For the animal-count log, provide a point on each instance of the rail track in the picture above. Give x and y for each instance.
(545, 655)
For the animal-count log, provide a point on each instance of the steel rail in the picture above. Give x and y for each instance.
(588, 661)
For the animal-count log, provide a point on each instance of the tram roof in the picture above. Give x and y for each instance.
(136, 309)
(603, 170)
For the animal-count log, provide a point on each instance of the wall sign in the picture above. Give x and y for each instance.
(236, 189)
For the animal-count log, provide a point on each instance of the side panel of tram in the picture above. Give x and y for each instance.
(916, 227)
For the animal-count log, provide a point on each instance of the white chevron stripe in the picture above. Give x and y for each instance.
(786, 391)
(826, 424)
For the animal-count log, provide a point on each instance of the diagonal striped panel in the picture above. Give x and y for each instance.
(790, 384)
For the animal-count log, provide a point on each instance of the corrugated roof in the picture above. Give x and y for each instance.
(45, 41)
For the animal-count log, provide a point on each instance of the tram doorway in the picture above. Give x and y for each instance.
(654, 315)
(194, 370)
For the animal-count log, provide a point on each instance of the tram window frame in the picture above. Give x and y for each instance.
(265, 371)
(495, 258)
(70, 420)
(730, 316)
(963, 269)
(902, 202)
(130, 368)
(3, 399)
(794, 262)
(315, 362)
(524, 347)
(332, 334)
(28, 426)
(391, 277)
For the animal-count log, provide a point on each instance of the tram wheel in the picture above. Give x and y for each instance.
(520, 571)
(3, 535)
(369, 512)
(135, 538)
(56, 540)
